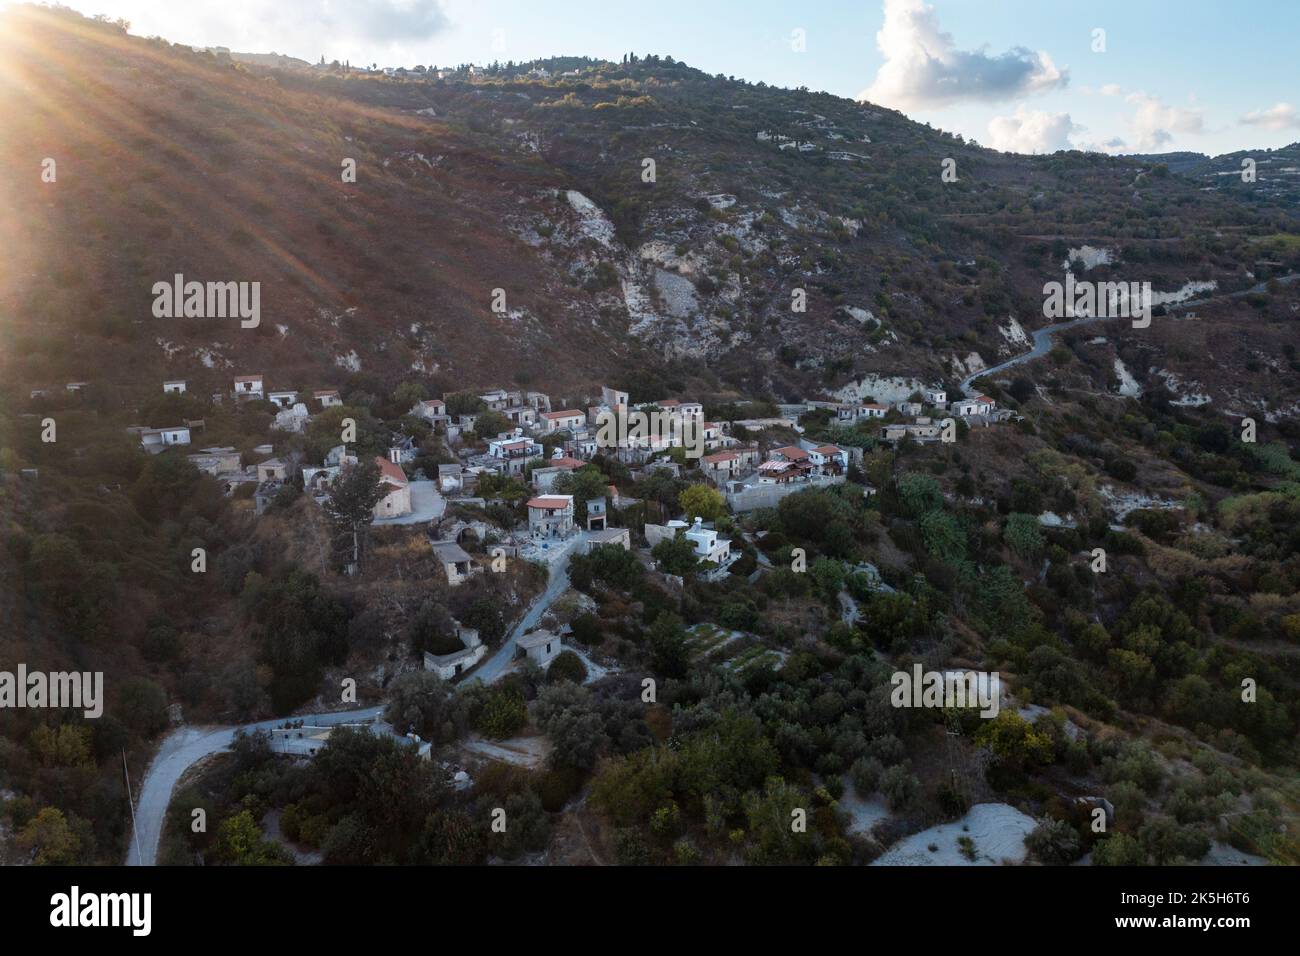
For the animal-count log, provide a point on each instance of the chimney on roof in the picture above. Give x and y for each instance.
(395, 455)
(699, 523)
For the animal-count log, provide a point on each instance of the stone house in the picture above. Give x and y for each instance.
(455, 561)
(273, 469)
(451, 666)
(550, 517)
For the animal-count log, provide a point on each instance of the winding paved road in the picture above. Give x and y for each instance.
(183, 748)
(1042, 345)
(1043, 336)
(555, 586)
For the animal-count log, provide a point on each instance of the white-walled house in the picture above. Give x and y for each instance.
(450, 666)
(328, 397)
(935, 396)
(513, 447)
(248, 387)
(540, 646)
(285, 399)
(828, 459)
(515, 451)
(175, 387)
(559, 421)
(708, 546)
(979, 405)
(155, 439)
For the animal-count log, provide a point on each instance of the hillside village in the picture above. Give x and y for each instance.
(540, 445)
(417, 565)
(505, 473)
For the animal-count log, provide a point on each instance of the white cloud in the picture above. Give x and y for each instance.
(1154, 123)
(1032, 131)
(1111, 89)
(923, 68)
(1278, 116)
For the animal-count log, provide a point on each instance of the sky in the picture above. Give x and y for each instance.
(1118, 76)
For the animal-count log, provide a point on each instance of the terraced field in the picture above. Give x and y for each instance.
(735, 650)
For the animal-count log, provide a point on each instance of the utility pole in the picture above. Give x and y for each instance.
(130, 802)
(953, 731)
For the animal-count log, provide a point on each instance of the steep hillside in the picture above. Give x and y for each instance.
(172, 161)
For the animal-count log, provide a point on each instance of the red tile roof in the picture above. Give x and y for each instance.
(791, 452)
(390, 471)
(569, 413)
(548, 502)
